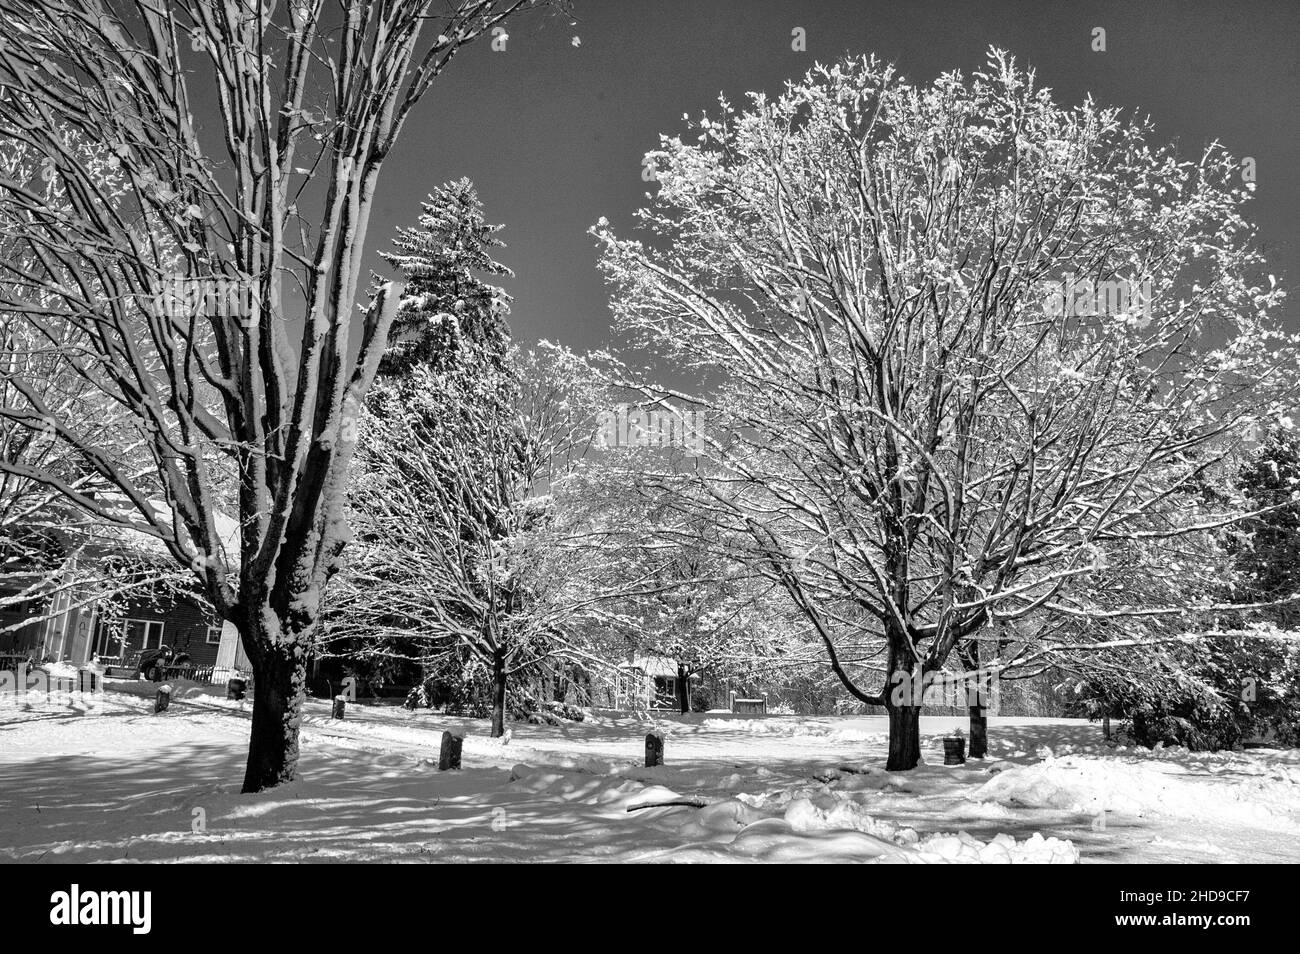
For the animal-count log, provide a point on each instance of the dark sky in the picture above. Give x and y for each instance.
(553, 135)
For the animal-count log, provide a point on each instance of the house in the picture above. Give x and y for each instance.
(186, 624)
(651, 682)
(648, 682)
(20, 623)
(79, 623)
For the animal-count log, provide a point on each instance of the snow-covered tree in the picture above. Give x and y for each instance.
(956, 340)
(1267, 549)
(41, 537)
(1206, 683)
(220, 307)
(683, 594)
(457, 549)
(462, 445)
(446, 300)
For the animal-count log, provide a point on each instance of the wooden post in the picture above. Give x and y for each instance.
(449, 754)
(979, 732)
(654, 749)
(163, 699)
(340, 705)
(87, 680)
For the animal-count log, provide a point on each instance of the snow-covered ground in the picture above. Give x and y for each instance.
(110, 781)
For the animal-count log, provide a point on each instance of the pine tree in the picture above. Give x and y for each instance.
(447, 305)
(451, 338)
(1270, 562)
(1242, 682)
(448, 384)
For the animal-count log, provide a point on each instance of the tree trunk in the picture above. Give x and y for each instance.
(976, 700)
(498, 696)
(904, 738)
(683, 690)
(279, 687)
(559, 687)
(904, 695)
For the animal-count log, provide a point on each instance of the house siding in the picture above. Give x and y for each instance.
(24, 638)
(185, 627)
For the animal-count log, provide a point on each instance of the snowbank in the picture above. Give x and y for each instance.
(1144, 787)
(800, 823)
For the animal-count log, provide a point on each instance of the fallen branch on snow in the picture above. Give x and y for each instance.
(688, 801)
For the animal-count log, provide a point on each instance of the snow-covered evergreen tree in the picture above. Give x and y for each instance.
(447, 303)
(1268, 552)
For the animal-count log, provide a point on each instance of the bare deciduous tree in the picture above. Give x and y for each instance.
(42, 538)
(967, 340)
(217, 302)
(459, 547)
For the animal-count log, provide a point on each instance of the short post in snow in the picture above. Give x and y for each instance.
(163, 699)
(449, 754)
(340, 706)
(654, 749)
(954, 750)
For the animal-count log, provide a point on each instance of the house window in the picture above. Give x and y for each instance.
(113, 640)
(214, 635)
(144, 633)
(108, 640)
(665, 692)
(129, 636)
